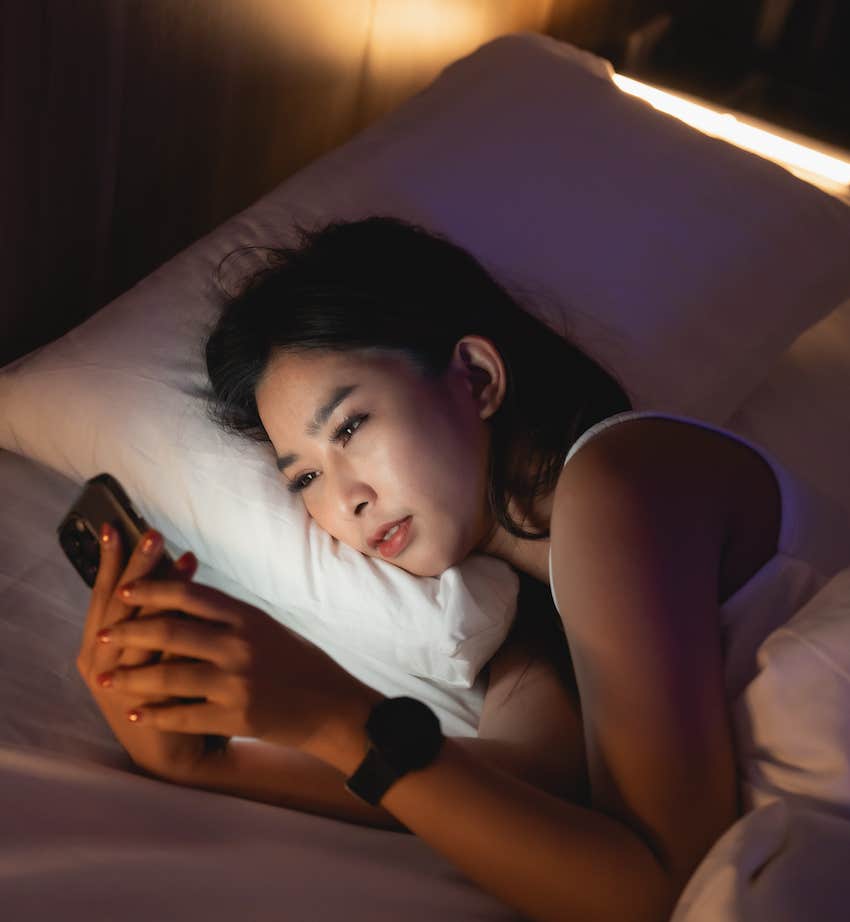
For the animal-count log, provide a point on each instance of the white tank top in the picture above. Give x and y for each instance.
(814, 544)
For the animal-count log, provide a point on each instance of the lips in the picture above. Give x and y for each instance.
(394, 545)
(376, 539)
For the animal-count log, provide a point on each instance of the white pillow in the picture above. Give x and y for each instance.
(681, 263)
(796, 710)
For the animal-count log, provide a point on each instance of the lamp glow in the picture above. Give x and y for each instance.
(823, 169)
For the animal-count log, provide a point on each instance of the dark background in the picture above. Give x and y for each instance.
(129, 128)
(787, 61)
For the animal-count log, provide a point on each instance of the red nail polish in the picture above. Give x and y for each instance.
(105, 680)
(135, 716)
(103, 636)
(186, 563)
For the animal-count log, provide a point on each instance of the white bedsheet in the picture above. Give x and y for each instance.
(784, 862)
(84, 843)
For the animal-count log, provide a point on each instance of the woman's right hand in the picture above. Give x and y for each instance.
(169, 755)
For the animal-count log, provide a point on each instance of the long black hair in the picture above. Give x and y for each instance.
(386, 284)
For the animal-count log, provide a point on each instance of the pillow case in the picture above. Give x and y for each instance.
(797, 708)
(683, 264)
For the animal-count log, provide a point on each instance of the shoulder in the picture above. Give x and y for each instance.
(649, 490)
(645, 504)
(656, 461)
(637, 531)
(644, 511)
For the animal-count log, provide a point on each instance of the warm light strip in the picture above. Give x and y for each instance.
(726, 126)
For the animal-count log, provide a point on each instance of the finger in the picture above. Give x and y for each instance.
(178, 636)
(108, 573)
(191, 598)
(146, 560)
(183, 569)
(108, 570)
(206, 717)
(185, 566)
(187, 680)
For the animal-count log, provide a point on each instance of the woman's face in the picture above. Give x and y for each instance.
(411, 447)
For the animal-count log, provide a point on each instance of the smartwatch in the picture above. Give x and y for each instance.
(404, 735)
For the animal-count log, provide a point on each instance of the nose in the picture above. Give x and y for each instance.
(353, 495)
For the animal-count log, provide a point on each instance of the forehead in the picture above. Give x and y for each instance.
(321, 362)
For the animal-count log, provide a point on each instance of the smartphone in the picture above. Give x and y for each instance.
(103, 499)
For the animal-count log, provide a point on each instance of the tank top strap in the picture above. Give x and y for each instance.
(811, 522)
(610, 421)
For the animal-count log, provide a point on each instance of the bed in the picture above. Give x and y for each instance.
(763, 352)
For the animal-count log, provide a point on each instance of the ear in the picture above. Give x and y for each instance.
(478, 365)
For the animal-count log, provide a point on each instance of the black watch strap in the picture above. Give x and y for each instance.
(373, 778)
(404, 735)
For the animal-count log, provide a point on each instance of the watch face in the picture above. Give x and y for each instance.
(406, 732)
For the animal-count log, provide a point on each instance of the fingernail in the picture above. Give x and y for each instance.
(186, 562)
(103, 636)
(105, 533)
(150, 542)
(105, 679)
(135, 716)
(126, 590)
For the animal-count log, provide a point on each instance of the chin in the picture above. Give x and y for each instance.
(449, 561)
(432, 568)
(424, 570)
(417, 571)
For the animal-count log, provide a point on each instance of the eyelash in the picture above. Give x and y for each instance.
(298, 485)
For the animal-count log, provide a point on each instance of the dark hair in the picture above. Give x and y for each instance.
(386, 284)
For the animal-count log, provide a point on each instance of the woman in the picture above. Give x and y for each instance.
(398, 382)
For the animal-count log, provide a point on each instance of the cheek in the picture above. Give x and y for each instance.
(452, 499)
(318, 514)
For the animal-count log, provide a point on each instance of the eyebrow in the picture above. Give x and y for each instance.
(320, 418)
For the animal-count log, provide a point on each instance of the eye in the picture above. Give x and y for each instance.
(339, 436)
(348, 424)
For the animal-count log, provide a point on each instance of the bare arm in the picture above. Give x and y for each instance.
(541, 752)
(285, 777)
(548, 858)
(524, 845)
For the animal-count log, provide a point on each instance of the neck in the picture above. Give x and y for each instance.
(523, 554)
